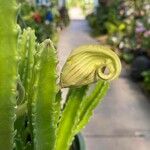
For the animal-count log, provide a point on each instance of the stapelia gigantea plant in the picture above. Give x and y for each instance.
(31, 115)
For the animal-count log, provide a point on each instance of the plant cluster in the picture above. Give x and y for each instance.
(46, 20)
(136, 17)
(105, 19)
(127, 26)
(125, 22)
(31, 112)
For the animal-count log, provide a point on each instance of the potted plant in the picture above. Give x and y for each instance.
(31, 112)
(78, 143)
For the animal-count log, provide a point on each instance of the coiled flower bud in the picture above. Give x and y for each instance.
(88, 64)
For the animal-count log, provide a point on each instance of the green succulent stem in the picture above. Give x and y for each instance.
(44, 104)
(69, 118)
(90, 103)
(27, 51)
(77, 112)
(21, 110)
(8, 72)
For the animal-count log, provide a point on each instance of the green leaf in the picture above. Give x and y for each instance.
(26, 50)
(44, 103)
(57, 108)
(90, 103)
(8, 72)
(69, 118)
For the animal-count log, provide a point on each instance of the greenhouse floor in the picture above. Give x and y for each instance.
(122, 121)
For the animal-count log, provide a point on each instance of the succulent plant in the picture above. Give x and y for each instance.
(31, 113)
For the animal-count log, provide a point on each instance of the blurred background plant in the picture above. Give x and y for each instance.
(104, 19)
(146, 75)
(126, 26)
(46, 18)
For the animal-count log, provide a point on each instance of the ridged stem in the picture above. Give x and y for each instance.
(69, 119)
(44, 104)
(8, 72)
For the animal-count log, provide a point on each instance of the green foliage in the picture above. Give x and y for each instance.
(92, 20)
(43, 105)
(104, 20)
(31, 114)
(146, 75)
(134, 15)
(69, 118)
(77, 112)
(8, 72)
(35, 17)
(128, 57)
(90, 102)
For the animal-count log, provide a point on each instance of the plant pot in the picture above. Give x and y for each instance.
(78, 143)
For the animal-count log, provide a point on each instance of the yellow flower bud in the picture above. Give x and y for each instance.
(88, 64)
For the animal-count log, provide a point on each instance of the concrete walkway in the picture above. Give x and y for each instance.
(122, 121)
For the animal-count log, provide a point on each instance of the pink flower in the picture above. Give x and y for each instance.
(139, 29)
(147, 33)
